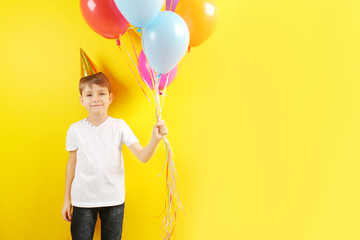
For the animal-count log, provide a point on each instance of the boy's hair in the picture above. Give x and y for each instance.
(97, 78)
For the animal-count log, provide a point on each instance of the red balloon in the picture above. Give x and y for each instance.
(104, 17)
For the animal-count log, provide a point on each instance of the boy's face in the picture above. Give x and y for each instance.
(96, 99)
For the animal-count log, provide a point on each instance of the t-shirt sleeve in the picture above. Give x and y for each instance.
(128, 135)
(70, 140)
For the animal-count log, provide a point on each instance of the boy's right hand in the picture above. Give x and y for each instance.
(66, 211)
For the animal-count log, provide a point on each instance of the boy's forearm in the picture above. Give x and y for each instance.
(70, 173)
(148, 151)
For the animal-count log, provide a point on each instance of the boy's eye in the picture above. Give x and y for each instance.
(88, 95)
(102, 93)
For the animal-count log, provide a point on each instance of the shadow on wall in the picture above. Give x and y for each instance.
(121, 93)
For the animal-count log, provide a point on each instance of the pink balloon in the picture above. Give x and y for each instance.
(144, 69)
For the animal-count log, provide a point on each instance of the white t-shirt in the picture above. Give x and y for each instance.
(99, 172)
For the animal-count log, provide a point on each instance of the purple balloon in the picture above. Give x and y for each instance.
(145, 71)
(173, 6)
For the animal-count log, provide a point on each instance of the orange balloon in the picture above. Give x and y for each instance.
(201, 16)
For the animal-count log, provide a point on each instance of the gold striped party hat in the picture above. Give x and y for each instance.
(87, 66)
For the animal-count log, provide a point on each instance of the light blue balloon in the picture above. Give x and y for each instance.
(139, 13)
(165, 41)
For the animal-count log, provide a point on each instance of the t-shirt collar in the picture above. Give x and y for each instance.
(93, 126)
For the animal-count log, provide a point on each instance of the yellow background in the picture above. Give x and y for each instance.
(263, 118)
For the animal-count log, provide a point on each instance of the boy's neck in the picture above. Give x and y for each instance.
(96, 120)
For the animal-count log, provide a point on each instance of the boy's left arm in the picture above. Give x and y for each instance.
(144, 154)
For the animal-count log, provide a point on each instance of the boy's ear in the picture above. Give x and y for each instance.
(111, 97)
(81, 100)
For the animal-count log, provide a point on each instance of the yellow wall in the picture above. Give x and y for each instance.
(263, 119)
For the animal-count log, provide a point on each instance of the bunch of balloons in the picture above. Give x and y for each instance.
(165, 38)
(165, 35)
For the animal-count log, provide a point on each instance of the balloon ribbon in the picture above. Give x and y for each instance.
(172, 201)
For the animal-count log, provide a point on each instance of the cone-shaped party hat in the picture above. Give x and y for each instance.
(87, 66)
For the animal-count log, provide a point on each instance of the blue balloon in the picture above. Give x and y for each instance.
(165, 41)
(139, 13)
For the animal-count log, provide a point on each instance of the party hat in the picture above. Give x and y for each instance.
(87, 66)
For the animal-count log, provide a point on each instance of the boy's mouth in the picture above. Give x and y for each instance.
(96, 106)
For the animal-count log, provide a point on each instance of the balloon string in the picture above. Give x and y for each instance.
(171, 7)
(133, 47)
(136, 77)
(163, 97)
(137, 59)
(169, 222)
(137, 70)
(135, 65)
(172, 202)
(156, 89)
(157, 98)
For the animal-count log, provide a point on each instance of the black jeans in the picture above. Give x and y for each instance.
(84, 220)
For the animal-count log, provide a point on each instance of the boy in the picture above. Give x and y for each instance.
(95, 170)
